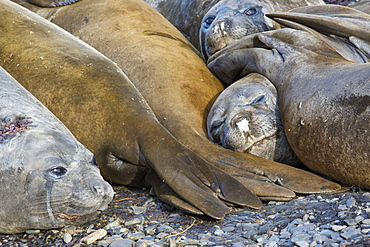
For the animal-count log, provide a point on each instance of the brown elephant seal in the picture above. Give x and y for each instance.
(104, 110)
(245, 117)
(324, 101)
(51, 3)
(47, 179)
(230, 20)
(160, 61)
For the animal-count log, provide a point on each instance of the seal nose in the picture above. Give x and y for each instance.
(102, 189)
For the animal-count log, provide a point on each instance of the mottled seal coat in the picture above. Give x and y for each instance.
(47, 179)
(324, 101)
(230, 20)
(103, 109)
(179, 88)
(246, 118)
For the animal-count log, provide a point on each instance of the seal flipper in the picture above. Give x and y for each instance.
(167, 195)
(52, 3)
(338, 20)
(362, 45)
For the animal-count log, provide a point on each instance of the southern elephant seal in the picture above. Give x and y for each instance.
(161, 62)
(47, 179)
(245, 117)
(104, 110)
(230, 20)
(187, 15)
(324, 101)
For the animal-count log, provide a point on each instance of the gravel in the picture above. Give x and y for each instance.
(137, 219)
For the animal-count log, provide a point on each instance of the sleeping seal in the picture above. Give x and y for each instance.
(324, 101)
(106, 112)
(245, 117)
(230, 20)
(47, 179)
(177, 85)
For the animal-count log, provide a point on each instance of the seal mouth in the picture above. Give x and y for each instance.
(68, 217)
(260, 142)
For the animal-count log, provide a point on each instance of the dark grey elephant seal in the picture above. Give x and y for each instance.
(106, 112)
(187, 15)
(47, 179)
(230, 20)
(245, 117)
(137, 31)
(324, 101)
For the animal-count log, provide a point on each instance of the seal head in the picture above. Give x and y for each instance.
(229, 20)
(47, 179)
(246, 118)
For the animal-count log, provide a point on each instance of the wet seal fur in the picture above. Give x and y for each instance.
(151, 51)
(47, 179)
(324, 100)
(189, 91)
(246, 118)
(106, 112)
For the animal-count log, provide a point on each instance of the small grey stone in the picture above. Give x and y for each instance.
(350, 202)
(301, 237)
(165, 228)
(140, 243)
(122, 243)
(366, 221)
(238, 244)
(285, 234)
(138, 210)
(135, 235)
(302, 243)
(218, 232)
(67, 238)
(350, 232)
(134, 221)
(113, 224)
(161, 235)
(228, 229)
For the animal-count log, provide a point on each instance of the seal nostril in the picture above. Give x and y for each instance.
(99, 190)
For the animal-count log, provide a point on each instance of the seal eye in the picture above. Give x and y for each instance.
(208, 21)
(58, 171)
(259, 100)
(251, 11)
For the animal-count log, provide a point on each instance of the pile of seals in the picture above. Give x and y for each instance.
(119, 112)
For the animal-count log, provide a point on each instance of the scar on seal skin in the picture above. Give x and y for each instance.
(7, 131)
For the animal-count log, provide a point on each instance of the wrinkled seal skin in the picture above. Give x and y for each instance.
(103, 109)
(51, 3)
(185, 15)
(230, 20)
(245, 117)
(179, 88)
(324, 101)
(47, 179)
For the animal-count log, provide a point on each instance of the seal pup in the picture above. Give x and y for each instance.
(230, 20)
(245, 117)
(48, 180)
(324, 101)
(106, 112)
(160, 61)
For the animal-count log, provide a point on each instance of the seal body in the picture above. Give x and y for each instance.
(230, 20)
(245, 117)
(160, 61)
(108, 114)
(47, 179)
(324, 101)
